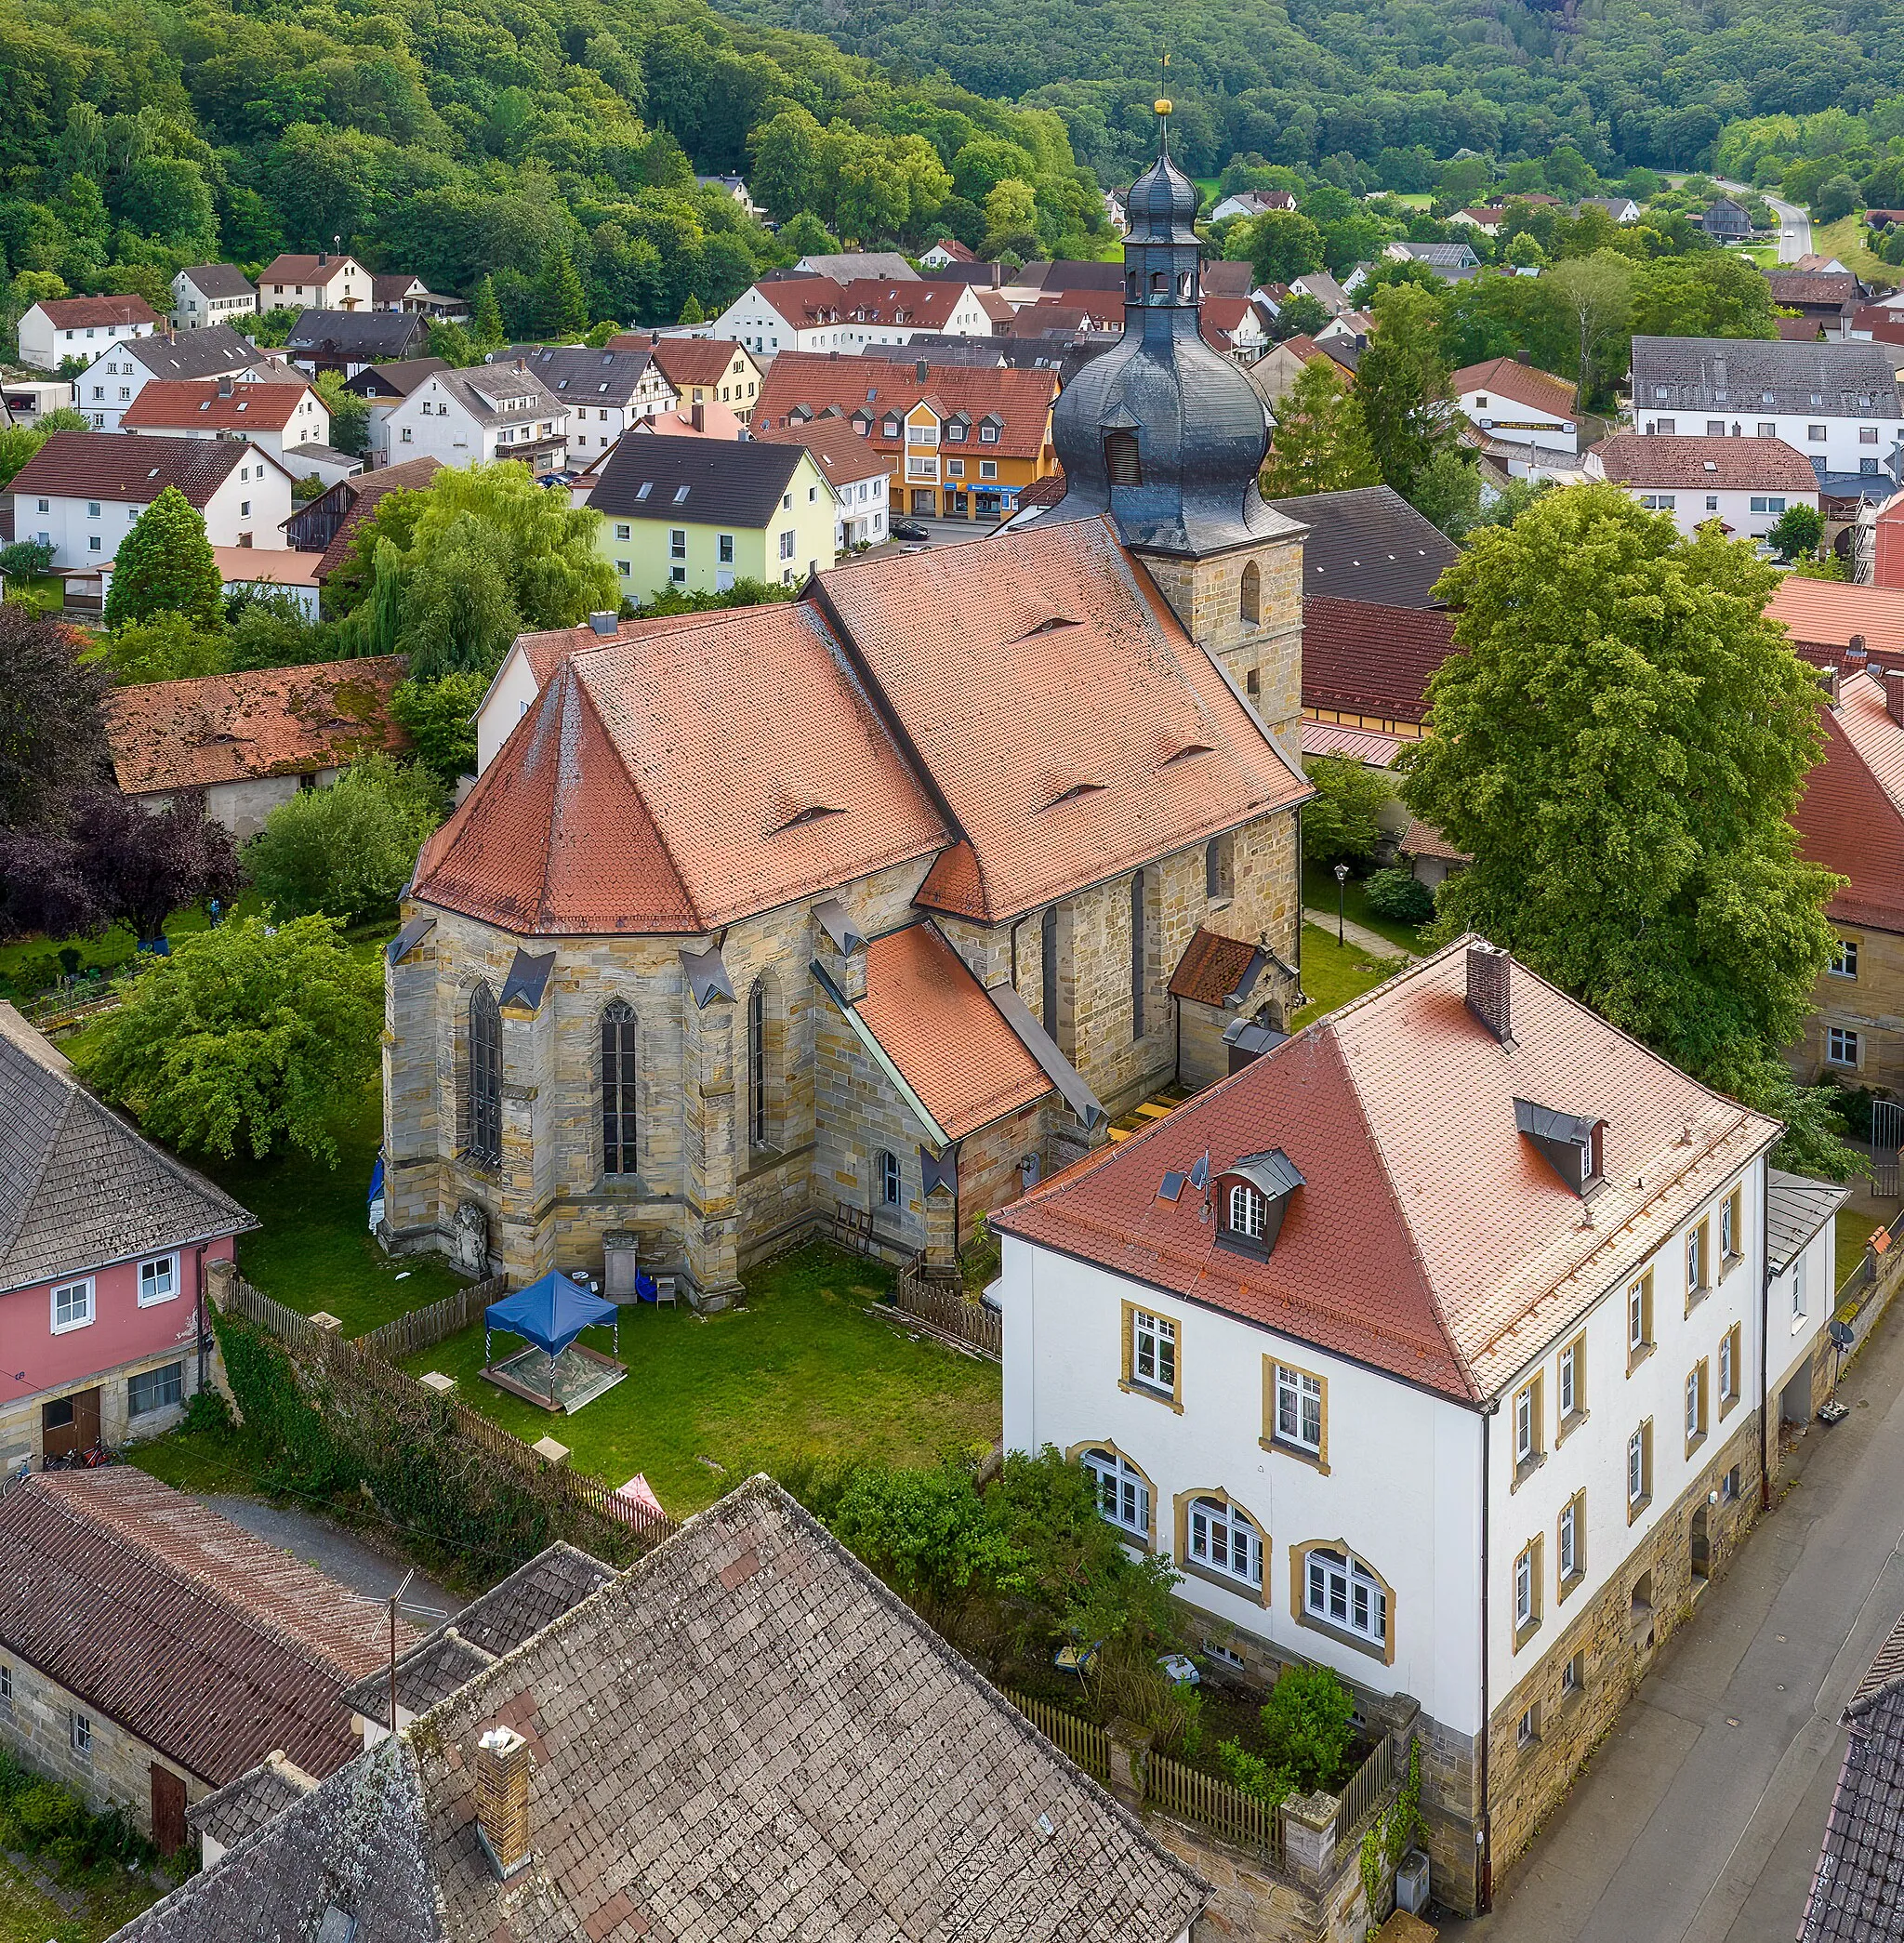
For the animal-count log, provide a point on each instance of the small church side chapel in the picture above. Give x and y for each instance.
(875, 905)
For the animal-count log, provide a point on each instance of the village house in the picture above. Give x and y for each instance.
(1248, 203)
(81, 492)
(735, 189)
(1839, 404)
(1621, 208)
(276, 419)
(1454, 262)
(607, 393)
(1515, 403)
(701, 370)
(326, 527)
(349, 340)
(408, 293)
(211, 293)
(249, 741)
(107, 388)
(56, 328)
(888, 977)
(383, 387)
(962, 442)
(151, 1652)
(815, 314)
(1494, 1468)
(947, 251)
(1828, 298)
(1746, 485)
(488, 412)
(1725, 221)
(702, 513)
(319, 283)
(562, 1788)
(103, 1246)
(856, 473)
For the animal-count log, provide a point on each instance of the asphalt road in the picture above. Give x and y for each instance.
(337, 1554)
(1794, 225)
(1699, 1817)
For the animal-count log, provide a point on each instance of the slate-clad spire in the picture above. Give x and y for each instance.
(1165, 432)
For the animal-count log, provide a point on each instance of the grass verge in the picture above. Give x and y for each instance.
(801, 1373)
(1332, 974)
(1318, 894)
(86, 1915)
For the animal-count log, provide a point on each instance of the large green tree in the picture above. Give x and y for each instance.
(1619, 742)
(166, 566)
(1320, 444)
(252, 1034)
(1401, 385)
(347, 851)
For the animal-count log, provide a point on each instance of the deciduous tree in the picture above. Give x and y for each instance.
(1320, 444)
(347, 851)
(52, 735)
(1401, 385)
(144, 865)
(166, 566)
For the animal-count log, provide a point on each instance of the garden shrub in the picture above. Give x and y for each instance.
(1307, 1728)
(1401, 895)
(41, 1818)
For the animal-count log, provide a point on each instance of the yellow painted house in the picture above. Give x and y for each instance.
(699, 513)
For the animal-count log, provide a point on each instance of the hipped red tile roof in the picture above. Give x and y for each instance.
(272, 722)
(684, 773)
(1211, 968)
(1469, 1254)
(950, 1041)
(1700, 462)
(1826, 613)
(838, 450)
(873, 386)
(1371, 659)
(202, 1641)
(1072, 727)
(71, 313)
(1849, 819)
(167, 404)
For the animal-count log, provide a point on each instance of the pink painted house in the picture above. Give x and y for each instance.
(104, 1240)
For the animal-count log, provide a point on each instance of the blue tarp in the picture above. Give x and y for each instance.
(551, 1313)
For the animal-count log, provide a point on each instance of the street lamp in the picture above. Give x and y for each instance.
(1341, 878)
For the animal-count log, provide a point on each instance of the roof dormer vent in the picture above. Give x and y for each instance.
(1571, 1144)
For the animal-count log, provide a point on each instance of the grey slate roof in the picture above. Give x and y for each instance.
(849, 266)
(578, 375)
(216, 351)
(1846, 379)
(732, 483)
(1796, 1208)
(1858, 1893)
(485, 392)
(218, 279)
(78, 1187)
(258, 1795)
(374, 337)
(745, 1735)
(1369, 544)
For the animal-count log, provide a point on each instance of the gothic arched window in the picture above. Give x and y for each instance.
(621, 1072)
(1139, 950)
(485, 1077)
(1047, 970)
(1122, 462)
(756, 1067)
(1252, 593)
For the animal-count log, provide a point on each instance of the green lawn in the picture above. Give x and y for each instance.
(29, 1915)
(46, 591)
(1846, 240)
(1854, 1232)
(801, 1373)
(27, 963)
(1318, 894)
(1332, 974)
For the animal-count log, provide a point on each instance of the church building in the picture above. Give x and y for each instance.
(874, 906)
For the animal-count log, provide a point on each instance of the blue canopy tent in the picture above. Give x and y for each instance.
(550, 1314)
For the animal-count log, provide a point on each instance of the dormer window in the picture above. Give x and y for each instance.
(1571, 1144)
(1253, 1196)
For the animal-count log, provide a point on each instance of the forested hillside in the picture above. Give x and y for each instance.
(1628, 81)
(510, 137)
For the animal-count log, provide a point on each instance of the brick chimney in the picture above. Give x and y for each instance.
(1828, 679)
(323, 256)
(1893, 695)
(224, 388)
(697, 415)
(502, 1798)
(1856, 653)
(1490, 970)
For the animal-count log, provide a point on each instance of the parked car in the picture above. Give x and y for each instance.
(909, 530)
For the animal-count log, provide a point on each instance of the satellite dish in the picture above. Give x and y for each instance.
(1842, 1333)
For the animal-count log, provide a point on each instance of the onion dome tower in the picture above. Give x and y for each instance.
(1164, 432)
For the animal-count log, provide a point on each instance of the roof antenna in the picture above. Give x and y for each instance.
(397, 1599)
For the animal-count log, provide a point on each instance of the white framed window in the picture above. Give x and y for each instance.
(152, 1390)
(1298, 1407)
(1636, 1315)
(1524, 1588)
(1153, 1350)
(1524, 1426)
(1527, 1728)
(6, 1685)
(72, 1305)
(677, 542)
(1226, 1539)
(1728, 1365)
(1123, 1498)
(1841, 1046)
(1569, 1380)
(1248, 1211)
(1696, 1402)
(1694, 1261)
(622, 530)
(79, 1734)
(158, 1280)
(1798, 1290)
(889, 1180)
(1343, 1592)
(786, 545)
(1844, 959)
(1569, 1540)
(1635, 1467)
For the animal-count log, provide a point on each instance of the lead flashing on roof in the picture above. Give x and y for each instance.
(527, 980)
(707, 976)
(837, 922)
(407, 941)
(1058, 1070)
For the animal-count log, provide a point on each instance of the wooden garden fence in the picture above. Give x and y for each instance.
(1084, 1741)
(425, 1327)
(943, 1306)
(364, 1363)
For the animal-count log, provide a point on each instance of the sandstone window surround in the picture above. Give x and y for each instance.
(890, 1186)
(1218, 1540)
(1530, 1431)
(1250, 599)
(1570, 1545)
(620, 1076)
(1152, 1364)
(1731, 1231)
(1126, 1497)
(1526, 1593)
(1699, 1264)
(1639, 1321)
(1332, 1591)
(1696, 1419)
(1295, 1412)
(1570, 1370)
(1639, 1469)
(1731, 1370)
(482, 1078)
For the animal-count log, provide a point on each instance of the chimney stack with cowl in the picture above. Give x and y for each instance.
(502, 1798)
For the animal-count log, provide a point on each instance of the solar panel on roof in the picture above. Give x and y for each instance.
(1173, 1186)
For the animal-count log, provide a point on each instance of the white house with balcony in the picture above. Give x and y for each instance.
(487, 412)
(1430, 1347)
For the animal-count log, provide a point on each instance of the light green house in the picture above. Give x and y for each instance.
(701, 513)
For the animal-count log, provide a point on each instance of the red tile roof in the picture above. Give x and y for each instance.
(273, 722)
(1211, 968)
(1849, 818)
(165, 405)
(1221, 318)
(950, 1041)
(1697, 462)
(1826, 613)
(686, 773)
(808, 302)
(1062, 713)
(838, 450)
(1508, 378)
(1422, 840)
(71, 313)
(686, 361)
(1470, 1255)
(108, 465)
(294, 269)
(204, 1643)
(1370, 659)
(873, 386)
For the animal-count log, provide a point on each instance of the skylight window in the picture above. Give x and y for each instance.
(681, 492)
(646, 486)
